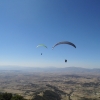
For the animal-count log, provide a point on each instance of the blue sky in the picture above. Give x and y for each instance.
(26, 23)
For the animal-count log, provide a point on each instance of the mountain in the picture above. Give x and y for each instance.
(51, 69)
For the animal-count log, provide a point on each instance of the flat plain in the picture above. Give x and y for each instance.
(68, 85)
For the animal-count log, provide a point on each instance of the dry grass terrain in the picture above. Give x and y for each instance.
(28, 84)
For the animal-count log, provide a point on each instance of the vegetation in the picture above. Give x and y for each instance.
(38, 97)
(10, 96)
(47, 95)
(87, 99)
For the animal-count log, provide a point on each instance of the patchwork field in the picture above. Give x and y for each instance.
(74, 86)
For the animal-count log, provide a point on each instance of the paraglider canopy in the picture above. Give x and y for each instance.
(64, 42)
(41, 45)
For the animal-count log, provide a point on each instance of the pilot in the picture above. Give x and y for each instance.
(65, 60)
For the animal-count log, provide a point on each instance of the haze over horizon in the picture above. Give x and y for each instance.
(27, 23)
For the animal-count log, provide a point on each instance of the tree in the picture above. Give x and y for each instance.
(48, 95)
(17, 97)
(5, 96)
(51, 95)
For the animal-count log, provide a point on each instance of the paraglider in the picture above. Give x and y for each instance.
(41, 45)
(64, 42)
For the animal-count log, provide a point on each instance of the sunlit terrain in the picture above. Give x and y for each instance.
(68, 85)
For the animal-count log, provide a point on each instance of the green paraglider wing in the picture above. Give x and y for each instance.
(64, 42)
(42, 45)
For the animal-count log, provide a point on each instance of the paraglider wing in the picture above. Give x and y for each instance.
(42, 45)
(65, 42)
